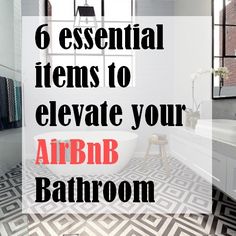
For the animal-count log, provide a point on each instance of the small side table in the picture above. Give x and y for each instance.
(162, 141)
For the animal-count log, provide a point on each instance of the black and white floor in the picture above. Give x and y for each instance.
(222, 221)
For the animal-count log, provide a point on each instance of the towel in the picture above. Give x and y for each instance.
(3, 103)
(11, 100)
(10, 104)
(18, 101)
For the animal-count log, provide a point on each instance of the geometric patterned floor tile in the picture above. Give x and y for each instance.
(182, 187)
(221, 222)
(15, 225)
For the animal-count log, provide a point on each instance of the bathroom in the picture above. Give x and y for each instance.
(222, 219)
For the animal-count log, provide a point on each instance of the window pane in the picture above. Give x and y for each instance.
(230, 40)
(218, 62)
(218, 11)
(231, 12)
(55, 47)
(117, 42)
(55, 29)
(218, 41)
(90, 61)
(117, 10)
(230, 63)
(119, 62)
(93, 3)
(61, 61)
(62, 9)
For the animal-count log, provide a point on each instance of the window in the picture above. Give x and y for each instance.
(115, 13)
(224, 27)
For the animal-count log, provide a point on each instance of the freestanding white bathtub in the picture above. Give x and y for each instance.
(126, 147)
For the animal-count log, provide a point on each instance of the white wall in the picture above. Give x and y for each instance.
(10, 140)
(193, 7)
(30, 7)
(6, 36)
(202, 86)
(155, 7)
(17, 38)
(173, 7)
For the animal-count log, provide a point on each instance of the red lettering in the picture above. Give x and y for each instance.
(42, 153)
(109, 148)
(76, 151)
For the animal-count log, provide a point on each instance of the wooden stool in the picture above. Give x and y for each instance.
(162, 141)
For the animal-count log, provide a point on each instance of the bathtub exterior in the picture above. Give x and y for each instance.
(126, 147)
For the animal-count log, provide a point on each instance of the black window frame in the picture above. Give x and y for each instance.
(224, 56)
(102, 54)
